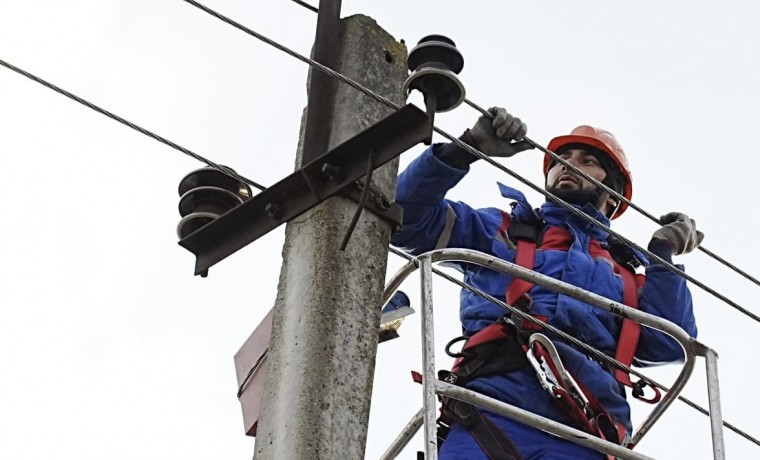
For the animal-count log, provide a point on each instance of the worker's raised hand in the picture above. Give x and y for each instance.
(500, 136)
(680, 231)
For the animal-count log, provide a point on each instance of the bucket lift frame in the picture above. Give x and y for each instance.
(432, 386)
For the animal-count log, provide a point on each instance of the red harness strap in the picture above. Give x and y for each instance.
(629, 337)
(630, 330)
(490, 439)
(553, 238)
(558, 238)
(591, 417)
(493, 350)
(525, 257)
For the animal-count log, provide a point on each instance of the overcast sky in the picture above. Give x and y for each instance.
(110, 348)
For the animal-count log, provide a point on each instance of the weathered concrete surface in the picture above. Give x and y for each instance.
(324, 339)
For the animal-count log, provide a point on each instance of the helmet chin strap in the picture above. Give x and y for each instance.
(599, 192)
(615, 208)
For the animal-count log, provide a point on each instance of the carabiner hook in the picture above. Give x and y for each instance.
(550, 384)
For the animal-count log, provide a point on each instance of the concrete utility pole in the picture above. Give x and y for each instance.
(321, 358)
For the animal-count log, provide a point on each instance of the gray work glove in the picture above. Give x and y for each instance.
(680, 231)
(501, 136)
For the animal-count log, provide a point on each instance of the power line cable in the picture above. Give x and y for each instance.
(153, 136)
(307, 6)
(385, 101)
(260, 187)
(597, 183)
(615, 194)
(339, 76)
(475, 152)
(128, 123)
(391, 104)
(652, 256)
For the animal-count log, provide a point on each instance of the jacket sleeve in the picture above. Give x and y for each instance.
(664, 294)
(432, 222)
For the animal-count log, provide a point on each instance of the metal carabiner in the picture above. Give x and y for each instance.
(568, 383)
(545, 376)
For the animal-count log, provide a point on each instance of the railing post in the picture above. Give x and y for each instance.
(713, 395)
(428, 358)
(405, 436)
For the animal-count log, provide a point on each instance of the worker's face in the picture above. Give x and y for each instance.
(563, 178)
(571, 187)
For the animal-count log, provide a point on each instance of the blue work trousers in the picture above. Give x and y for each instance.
(532, 444)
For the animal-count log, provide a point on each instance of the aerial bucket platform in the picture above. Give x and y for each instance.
(433, 387)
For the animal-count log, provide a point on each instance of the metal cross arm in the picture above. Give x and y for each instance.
(307, 187)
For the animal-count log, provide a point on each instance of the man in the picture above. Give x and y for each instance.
(565, 247)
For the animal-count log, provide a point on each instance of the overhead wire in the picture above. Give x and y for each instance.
(383, 100)
(128, 123)
(475, 152)
(577, 212)
(598, 354)
(339, 76)
(478, 154)
(615, 194)
(152, 135)
(306, 5)
(574, 169)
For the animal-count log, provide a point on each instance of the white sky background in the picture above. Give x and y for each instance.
(110, 348)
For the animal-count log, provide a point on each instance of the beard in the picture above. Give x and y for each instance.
(578, 197)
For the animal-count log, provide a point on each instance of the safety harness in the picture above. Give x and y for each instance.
(505, 346)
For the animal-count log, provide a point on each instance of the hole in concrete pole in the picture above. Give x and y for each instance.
(388, 57)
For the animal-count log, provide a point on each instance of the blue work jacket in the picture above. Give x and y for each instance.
(432, 222)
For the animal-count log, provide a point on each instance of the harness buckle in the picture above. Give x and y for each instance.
(521, 231)
(524, 303)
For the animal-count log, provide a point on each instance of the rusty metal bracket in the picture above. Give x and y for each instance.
(308, 186)
(377, 203)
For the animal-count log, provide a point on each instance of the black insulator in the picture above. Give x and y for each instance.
(208, 199)
(206, 194)
(193, 222)
(435, 63)
(436, 49)
(214, 178)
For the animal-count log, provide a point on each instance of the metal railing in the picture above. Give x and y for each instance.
(432, 386)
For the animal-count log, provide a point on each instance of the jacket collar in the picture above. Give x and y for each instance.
(555, 214)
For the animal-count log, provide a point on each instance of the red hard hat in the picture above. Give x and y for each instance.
(603, 141)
